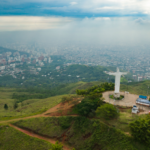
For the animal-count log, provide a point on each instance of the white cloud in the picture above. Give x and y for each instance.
(14, 23)
(73, 3)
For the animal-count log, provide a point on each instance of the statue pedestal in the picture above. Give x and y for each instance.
(117, 95)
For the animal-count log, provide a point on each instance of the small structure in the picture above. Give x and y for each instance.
(117, 75)
(142, 100)
(135, 109)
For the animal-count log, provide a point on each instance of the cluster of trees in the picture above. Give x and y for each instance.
(88, 106)
(96, 91)
(140, 129)
(93, 102)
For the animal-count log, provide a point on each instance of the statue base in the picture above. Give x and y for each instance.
(117, 95)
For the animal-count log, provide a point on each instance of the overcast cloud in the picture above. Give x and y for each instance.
(87, 21)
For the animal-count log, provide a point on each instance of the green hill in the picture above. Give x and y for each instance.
(81, 133)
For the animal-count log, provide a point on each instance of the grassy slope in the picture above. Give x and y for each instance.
(11, 139)
(82, 133)
(29, 107)
(72, 87)
(137, 87)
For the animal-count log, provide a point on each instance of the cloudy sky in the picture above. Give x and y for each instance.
(80, 18)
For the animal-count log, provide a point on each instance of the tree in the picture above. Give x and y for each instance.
(5, 107)
(15, 105)
(107, 111)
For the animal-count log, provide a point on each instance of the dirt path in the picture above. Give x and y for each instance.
(53, 109)
(65, 147)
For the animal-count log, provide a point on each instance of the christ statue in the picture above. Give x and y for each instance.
(117, 81)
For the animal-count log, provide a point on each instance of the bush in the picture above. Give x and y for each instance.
(140, 130)
(107, 111)
(66, 99)
(116, 98)
(57, 146)
(88, 106)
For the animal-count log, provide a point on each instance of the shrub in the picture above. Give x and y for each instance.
(65, 122)
(57, 146)
(107, 111)
(140, 130)
(66, 99)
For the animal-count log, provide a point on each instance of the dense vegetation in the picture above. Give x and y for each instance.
(82, 133)
(93, 99)
(88, 106)
(140, 130)
(11, 139)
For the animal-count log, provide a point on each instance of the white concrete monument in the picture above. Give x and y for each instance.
(117, 75)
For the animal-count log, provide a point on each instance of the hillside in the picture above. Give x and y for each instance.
(33, 101)
(81, 133)
(27, 107)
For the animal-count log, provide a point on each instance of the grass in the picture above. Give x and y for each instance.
(82, 133)
(11, 139)
(26, 108)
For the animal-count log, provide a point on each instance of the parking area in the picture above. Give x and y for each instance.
(128, 101)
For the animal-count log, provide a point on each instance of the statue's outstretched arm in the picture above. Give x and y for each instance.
(112, 73)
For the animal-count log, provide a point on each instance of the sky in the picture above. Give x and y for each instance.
(92, 20)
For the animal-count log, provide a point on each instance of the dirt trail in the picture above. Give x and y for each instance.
(53, 109)
(65, 147)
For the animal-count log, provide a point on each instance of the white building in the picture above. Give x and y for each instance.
(38, 69)
(13, 65)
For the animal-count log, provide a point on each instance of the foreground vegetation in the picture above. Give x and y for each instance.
(11, 139)
(82, 133)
